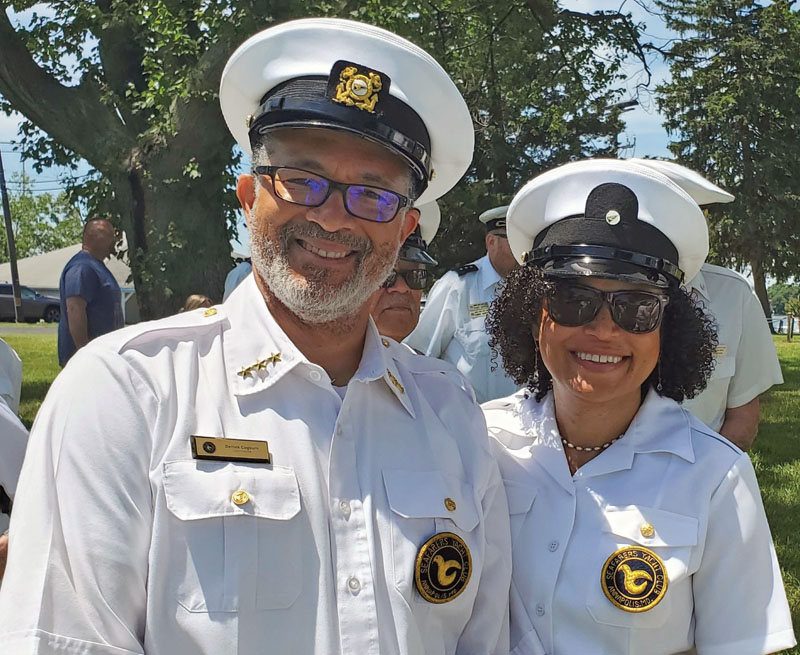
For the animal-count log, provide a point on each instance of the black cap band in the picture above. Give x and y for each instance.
(307, 101)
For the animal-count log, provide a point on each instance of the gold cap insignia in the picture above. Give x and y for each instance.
(443, 568)
(356, 86)
(613, 217)
(634, 579)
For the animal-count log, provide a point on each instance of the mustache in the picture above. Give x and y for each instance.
(311, 230)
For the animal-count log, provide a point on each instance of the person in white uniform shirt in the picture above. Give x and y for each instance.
(745, 362)
(10, 376)
(636, 529)
(270, 475)
(13, 440)
(453, 324)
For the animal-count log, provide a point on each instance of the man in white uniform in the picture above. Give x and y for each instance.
(268, 475)
(10, 376)
(453, 324)
(746, 364)
(13, 439)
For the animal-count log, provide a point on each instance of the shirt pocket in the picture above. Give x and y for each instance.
(419, 502)
(236, 538)
(672, 537)
(520, 501)
(472, 337)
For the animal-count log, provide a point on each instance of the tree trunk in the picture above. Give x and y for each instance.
(760, 285)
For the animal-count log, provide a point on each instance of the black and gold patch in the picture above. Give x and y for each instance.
(443, 569)
(356, 86)
(634, 579)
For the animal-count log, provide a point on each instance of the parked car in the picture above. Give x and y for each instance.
(35, 306)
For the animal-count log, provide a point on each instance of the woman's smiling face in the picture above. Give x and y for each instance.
(598, 361)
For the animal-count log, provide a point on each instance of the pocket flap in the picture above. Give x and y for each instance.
(425, 494)
(724, 367)
(649, 526)
(520, 497)
(197, 489)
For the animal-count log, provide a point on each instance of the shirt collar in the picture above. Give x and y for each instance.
(698, 283)
(660, 425)
(258, 353)
(489, 276)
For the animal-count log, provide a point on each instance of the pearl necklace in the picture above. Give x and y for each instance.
(590, 449)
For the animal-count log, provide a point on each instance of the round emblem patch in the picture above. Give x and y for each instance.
(209, 447)
(634, 579)
(444, 565)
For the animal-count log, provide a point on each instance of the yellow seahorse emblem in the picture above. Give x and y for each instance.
(444, 578)
(631, 578)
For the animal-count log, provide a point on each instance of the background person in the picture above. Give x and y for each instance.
(195, 301)
(10, 376)
(268, 475)
(13, 440)
(398, 301)
(91, 300)
(636, 528)
(452, 325)
(745, 361)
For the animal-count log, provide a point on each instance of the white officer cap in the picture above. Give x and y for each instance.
(702, 191)
(608, 218)
(495, 218)
(415, 247)
(344, 75)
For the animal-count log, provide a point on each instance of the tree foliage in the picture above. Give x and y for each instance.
(733, 110)
(779, 293)
(42, 222)
(131, 87)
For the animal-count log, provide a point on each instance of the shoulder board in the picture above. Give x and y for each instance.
(179, 326)
(467, 268)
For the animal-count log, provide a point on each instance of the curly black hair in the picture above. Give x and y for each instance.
(688, 338)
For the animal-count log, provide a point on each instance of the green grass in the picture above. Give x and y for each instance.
(776, 455)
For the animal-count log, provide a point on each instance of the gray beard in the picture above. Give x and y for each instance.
(310, 298)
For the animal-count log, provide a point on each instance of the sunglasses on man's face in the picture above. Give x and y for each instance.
(638, 312)
(415, 278)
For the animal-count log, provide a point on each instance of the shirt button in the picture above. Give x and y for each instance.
(647, 530)
(553, 546)
(344, 507)
(315, 375)
(353, 585)
(540, 610)
(240, 497)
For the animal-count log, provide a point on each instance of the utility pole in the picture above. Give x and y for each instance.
(12, 248)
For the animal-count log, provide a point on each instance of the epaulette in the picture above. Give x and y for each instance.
(466, 268)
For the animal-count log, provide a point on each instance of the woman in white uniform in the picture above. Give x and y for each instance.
(636, 529)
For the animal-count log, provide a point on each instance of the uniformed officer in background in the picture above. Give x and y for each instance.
(745, 362)
(452, 325)
(398, 301)
(270, 475)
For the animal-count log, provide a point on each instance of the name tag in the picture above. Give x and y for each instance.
(721, 351)
(231, 450)
(478, 309)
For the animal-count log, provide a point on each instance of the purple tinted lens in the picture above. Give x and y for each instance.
(372, 203)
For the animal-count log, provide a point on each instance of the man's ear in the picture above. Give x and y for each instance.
(410, 222)
(246, 193)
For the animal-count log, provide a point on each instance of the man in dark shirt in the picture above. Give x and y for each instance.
(91, 301)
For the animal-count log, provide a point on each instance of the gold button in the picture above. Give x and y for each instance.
(450, 504)
(385, 343)
(211, 311)
(647, 530)
(240, 497)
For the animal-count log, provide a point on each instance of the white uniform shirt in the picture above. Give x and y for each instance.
(10, 376)
(453, 327)
(13, 439)
(746, 363)
(123, 543)
(698, 492)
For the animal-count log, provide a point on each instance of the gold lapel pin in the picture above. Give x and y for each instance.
(395, 381)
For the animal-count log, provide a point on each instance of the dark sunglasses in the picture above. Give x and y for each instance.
(634, 311)
(416, 278)
(309, 189)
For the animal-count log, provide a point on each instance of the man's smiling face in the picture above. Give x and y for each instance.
(322, 263)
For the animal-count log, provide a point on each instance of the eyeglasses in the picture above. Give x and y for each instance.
(639, 312)
(416, 278)
(309, 189)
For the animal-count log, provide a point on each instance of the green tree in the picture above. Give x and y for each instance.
(131, 87)
(733, 112)
(779, 293)
(41, 221)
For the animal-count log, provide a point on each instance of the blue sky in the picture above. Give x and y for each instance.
(643, 124)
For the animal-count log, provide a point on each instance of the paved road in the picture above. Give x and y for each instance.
(28, 328)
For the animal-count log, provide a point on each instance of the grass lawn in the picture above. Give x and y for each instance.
(776, 455)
